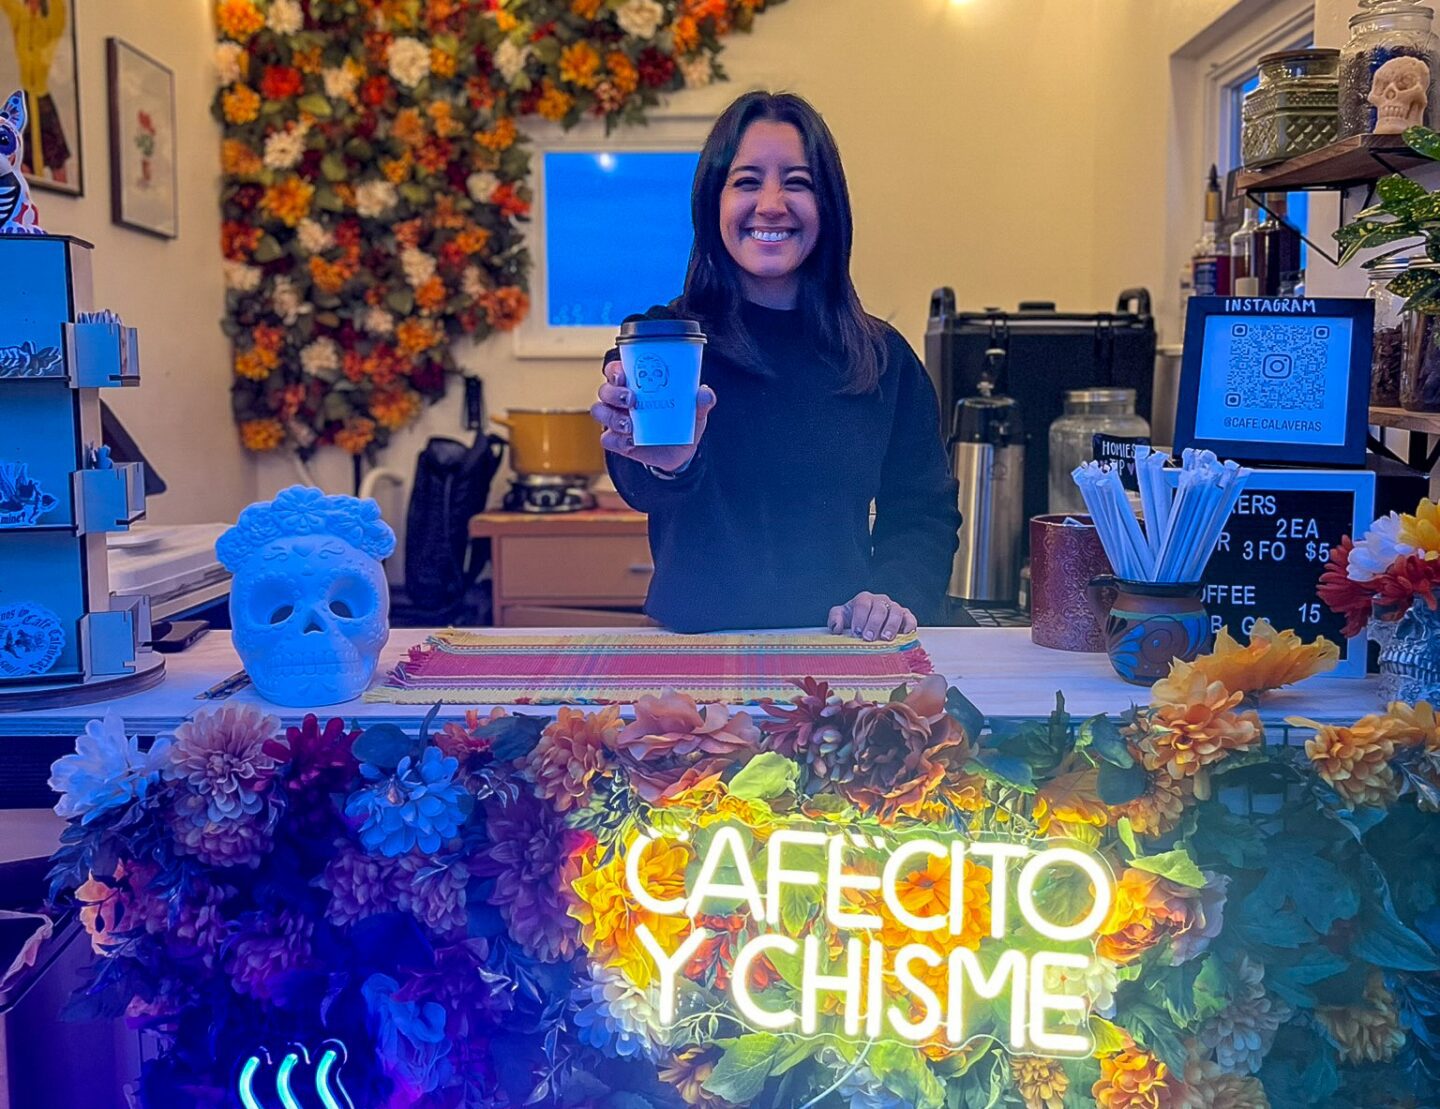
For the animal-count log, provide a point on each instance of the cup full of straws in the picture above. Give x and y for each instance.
(1152, 610)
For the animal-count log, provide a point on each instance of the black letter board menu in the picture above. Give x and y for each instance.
(1271, 554)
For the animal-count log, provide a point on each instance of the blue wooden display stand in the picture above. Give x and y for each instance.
(63, 637)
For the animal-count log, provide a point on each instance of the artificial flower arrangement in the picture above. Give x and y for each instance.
(462, 910)
(376, 177)
(1396, 562)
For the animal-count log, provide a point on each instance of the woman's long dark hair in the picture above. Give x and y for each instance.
(830, 308)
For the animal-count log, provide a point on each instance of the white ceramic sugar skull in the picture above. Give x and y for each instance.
(1410, 662)
(1399, 92)
(309, 603)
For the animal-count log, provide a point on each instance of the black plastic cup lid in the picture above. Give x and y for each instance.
(660, 329)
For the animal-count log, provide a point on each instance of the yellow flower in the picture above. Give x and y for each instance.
(1135, 1079)
(1196, 729)
(623, 73)
(442, 62)
(1070, 799)
(238, 19)
(554, 103)
(1355, 759)
(1414, 724)
(1041, 1082)
(289, 200)
(500, 137)
(1160, 807)
(414, 336)
(505, 21)
(254, 364)
(357, 434)
(395, 408)
(238, 159)
(241, 104)
(609, 916)
(397, 170)
(578, 64)
(1367, 1033)
(261, 435)
(1273, 659)
(585, 9)
(1422, 530)
(310, 60)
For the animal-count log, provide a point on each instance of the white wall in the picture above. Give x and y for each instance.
(1010, 150)
(170, 289)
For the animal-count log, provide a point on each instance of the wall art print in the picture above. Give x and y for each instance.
(376, 178)
(38, 56)
(144, 184)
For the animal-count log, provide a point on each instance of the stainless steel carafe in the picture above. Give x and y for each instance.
(987, 457)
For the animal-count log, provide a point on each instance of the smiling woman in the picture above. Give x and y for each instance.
(809, 410)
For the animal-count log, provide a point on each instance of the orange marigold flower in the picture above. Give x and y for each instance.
(254, 364)
(1159, 809)
(586, 9)
(688, 1070)
(1041, 1083)
(622, 72)
(442, 62)
(238, 19)
(329, 277)
(394, 408)
(473, 240)
(309, 60)
(357, 434)
(1368, 1033)
(237, 240)
(1272, 659)
(505, 307)
(261, 435)
(579, 64)
(241, 104)
(432, 295)
(1414, 725)
(237, 159)
(442, 118)
(1135, 1079)
(609, 915)
(505, 21)
(1355, 759)
(408, 127)
(397, 170)
(291, 400)
(508, 199)
(288, 201)
(1071, 799)
(554, 102)
(500, 137)
(1148, 908)
(434, 155)
(1196, 729)
(573, 748)
(268, 337)
(685, 34)
(414, 336)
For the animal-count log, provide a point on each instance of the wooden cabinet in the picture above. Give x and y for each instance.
(573, 569)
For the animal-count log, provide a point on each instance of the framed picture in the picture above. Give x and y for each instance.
(144, 187)
(38, 56)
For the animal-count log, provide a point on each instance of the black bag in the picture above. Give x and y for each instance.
(452, 484)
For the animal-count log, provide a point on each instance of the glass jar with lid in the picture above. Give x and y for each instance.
(1389, 69)
(1420, 360)
(1388, 353)
(1293, 109)
(1088, 413)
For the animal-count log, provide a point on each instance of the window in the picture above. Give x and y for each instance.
(1297, 204)
(610, 232)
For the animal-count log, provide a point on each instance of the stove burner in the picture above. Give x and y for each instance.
(549, 493)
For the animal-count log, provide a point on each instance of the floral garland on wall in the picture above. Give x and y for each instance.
(375, 180)
(455, 908)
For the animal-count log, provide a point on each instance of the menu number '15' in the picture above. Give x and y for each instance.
(1310, 613)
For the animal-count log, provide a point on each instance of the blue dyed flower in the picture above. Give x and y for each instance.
(865, 1091)
(107, 771)
(420, 805)
(409, 1035)
(614, 1017)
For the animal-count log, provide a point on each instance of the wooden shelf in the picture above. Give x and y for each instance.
(1400, 418)
(1353, 161)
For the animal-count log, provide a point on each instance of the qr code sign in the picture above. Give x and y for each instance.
(1277, 365)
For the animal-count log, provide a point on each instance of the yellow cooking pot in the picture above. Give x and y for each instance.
(553, 441)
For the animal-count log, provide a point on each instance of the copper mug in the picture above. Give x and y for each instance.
(1148, 625)
(1064, 558)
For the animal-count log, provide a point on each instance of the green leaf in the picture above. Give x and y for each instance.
(267, 249)
(970, 719)
(1152, 1028)
(1413, 281)
(904, 1071)
(899, 693)
(1109, 1038)
(1177, 865)
(1101, 735)
(769, 774)
(1396, 192)
(740, 1073)
(514, 736)
(333, 167)
(1126, 831)
(1211, 989)
(1291, 981)
(383, 746)
(328, 200)
(317, 105)
(1423, 141)
(401, 300)
(1003, 769)
(1386, 942)
(797, 1051)
(797, 905)
(1117, 786)
(1314, 886)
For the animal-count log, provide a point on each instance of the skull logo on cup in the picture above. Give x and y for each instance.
(1399, 92)
(309, 603)
(651, 373)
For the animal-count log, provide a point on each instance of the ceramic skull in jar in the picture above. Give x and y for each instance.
(309, 603)
(1410, 661)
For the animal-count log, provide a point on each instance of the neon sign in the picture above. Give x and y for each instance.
(260, 1069)
(926, 988)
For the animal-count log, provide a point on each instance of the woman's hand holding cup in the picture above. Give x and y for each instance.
(614, 413)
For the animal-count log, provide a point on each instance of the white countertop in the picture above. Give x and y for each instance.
(999, 669)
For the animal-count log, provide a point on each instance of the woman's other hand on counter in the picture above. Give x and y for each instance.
(613, 413)
(871, 616)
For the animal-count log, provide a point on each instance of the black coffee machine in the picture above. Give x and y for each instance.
(1046, 352)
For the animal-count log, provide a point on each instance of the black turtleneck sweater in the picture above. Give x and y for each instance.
(768, 527)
